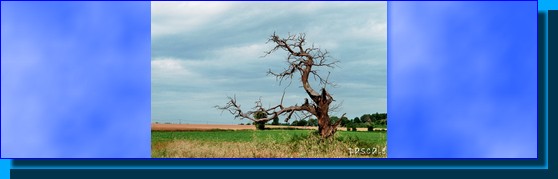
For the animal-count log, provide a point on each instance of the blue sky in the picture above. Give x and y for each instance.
(203, 52)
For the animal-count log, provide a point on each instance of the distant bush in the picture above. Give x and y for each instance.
(302, 122)
(312, 122)
(275, 121)
(382, 122)
(259, 115)
(260, 125)
(294, 123)
(352, 127)
(371, 127)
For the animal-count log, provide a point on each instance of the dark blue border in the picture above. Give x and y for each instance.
(280, 174)
(391, 163)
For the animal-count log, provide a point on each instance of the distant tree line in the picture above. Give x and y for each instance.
(366, 120)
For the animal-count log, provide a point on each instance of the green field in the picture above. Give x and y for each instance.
(265, 144)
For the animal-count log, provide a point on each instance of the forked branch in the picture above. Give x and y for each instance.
(299, 60)
(234, 108)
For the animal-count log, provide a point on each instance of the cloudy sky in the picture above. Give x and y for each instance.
(203, 52)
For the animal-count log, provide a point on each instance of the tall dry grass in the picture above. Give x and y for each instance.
(298, 146)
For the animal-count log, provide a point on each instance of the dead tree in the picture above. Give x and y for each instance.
(304, 61)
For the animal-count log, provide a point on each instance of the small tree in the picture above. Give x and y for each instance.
(356, 120)
(275, 121)
(344, 121)
(371, 127)
(294, 123)
(365, 118)
(349, 126)
(334, 119)
(302, 122)
(312, 122)
(260, 125)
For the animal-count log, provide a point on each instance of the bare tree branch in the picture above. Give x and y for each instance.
(234, 108)
(339, 121)
(306, 62)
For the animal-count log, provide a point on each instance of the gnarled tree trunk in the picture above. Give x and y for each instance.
(300, 60)
(325, 129)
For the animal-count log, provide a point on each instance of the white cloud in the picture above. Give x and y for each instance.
(373, 29)
(170, 18)
(206, 51)
(166, 64)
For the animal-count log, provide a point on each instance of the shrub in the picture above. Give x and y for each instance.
(294, 123)
(371, 127)
(259, 115)
(260, 125)
(352, 127)
(302, 122)
(275, 121)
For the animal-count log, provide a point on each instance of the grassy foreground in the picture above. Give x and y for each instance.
(266, 144)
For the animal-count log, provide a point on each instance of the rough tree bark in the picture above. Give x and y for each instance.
(302, 60)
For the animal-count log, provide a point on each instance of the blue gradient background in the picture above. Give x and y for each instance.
(75, 80)
(462, 79)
